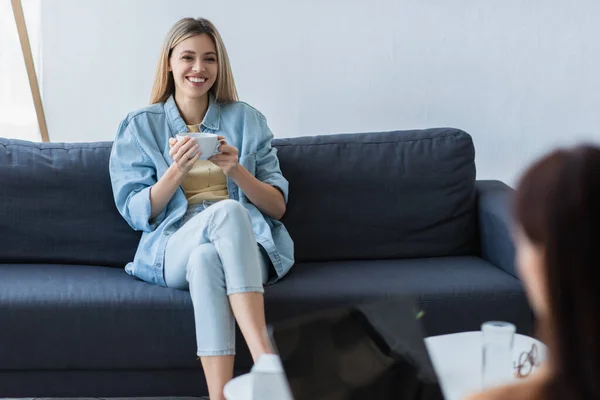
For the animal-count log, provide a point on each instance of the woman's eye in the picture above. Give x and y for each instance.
(211, 59)
(187, 58)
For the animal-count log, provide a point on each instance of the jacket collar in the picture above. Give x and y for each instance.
(211, 120)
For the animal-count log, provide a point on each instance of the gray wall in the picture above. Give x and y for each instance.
(520, 75)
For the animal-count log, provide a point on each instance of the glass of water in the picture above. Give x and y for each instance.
(497, 338)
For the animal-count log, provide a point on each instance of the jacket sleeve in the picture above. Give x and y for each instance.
(267, 163)
(132, 174)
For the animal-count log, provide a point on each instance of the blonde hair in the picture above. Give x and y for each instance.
(164, 86)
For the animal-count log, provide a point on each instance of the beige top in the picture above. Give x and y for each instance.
(205, 181)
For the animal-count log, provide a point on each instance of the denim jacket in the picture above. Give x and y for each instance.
(140, 156)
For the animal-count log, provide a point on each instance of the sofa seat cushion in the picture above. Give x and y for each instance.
(86, 317)
(80, 317)
(457, 293)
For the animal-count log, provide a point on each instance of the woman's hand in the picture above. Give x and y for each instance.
(227, 160)
(181, 153)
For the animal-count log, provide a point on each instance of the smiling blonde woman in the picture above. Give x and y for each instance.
(209, 226)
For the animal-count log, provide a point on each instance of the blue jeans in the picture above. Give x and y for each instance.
(214, 254)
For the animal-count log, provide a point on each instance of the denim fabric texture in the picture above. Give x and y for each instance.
(140, 156)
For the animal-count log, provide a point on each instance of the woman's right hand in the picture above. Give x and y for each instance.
(163, 190)
(181, 153)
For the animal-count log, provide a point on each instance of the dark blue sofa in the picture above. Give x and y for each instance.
(374, 214)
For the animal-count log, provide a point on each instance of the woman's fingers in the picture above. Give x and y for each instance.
(176, 145)
(185, 148)
(172, 149)
(225, 148)
(184, 152)
(195, 158)
(190, 153)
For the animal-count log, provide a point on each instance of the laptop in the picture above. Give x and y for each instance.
(368, 351)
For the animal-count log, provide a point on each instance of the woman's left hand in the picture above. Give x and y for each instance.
(227, 160)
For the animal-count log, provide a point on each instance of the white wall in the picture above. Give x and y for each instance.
(519, 75)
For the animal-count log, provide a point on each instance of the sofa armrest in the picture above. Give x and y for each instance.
(495, 224)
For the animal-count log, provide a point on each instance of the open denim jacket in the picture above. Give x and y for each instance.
(140, 156)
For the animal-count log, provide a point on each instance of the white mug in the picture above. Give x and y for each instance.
(208, 143)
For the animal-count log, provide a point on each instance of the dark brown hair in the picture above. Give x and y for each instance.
(557, 205)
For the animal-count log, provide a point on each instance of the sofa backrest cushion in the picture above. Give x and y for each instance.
(56, 205)
(381, 195)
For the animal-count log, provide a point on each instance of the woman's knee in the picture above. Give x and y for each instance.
(230, 208)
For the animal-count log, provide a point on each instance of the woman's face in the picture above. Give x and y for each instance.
(530, 263)
(194, 66)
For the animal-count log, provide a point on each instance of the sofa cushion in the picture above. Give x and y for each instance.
(85, 317)
(74, 316)
(380, 195)
(56, 205)
(457, 293)
(359, 196)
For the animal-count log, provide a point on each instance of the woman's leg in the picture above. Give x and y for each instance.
(192, 262)
(249, 311)
(216, 252)
(215, 326)
(218, 370)
(245, 272)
